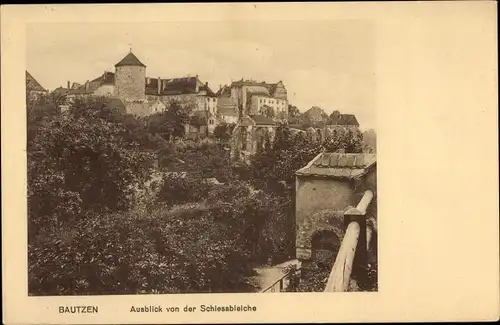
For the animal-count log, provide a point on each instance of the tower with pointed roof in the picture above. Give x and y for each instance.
(130, 79)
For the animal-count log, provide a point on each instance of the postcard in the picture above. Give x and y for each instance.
(250, 162)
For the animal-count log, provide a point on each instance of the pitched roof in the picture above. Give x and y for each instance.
(116, 103)
(61, 91)
(107, 78)
(261, 120)
(315, 113)
(224, 91)
(32, 84)
(347, 119)
(177, 86)
(339, 165)
(131, 60)
(226, 106)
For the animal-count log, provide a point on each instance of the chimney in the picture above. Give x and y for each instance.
(86, 86)
(159, 86)
(69, 85)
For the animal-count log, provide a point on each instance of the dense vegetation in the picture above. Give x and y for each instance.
(95, 227)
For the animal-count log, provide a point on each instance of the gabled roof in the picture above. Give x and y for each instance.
(130, 60)
(261, 120)
(32, 84)
(315, 113)
(339, 165)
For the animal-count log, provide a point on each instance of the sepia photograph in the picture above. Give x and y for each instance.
(190, 163)
(178, 158)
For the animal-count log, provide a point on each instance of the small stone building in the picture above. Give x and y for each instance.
(324, 188)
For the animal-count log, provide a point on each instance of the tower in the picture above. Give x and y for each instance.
(130, 79)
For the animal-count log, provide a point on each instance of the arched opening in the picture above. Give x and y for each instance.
(325, 245)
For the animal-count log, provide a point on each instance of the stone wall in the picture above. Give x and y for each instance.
(130, 83)
(319, 203)
(105, 90)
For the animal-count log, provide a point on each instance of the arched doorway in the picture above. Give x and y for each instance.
(325, 245)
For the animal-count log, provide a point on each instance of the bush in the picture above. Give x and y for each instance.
(177, 189)
(186, 250)
(261, 218)
(81, 164)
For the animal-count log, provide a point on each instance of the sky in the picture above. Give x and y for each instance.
(325, 63)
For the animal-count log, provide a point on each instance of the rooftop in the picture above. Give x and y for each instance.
(261, 120)
(130, 60)
(339, 165)
(32, 84)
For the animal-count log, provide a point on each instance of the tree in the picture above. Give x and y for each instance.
(170, 123)
(370, 139)
(347, 139)
(81, 164)
(223, 131)
(333, 119)
(293, 111)
(268, 111)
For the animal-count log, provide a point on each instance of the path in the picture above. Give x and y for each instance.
(267, 275)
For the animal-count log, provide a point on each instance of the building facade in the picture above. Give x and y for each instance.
(191, 92)
(252, 96)
(251, 134)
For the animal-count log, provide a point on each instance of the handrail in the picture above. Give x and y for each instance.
(280, 281)
(342, 268)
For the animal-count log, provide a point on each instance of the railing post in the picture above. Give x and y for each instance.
(358, 214)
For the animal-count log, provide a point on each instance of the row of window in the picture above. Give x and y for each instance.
(270, 101)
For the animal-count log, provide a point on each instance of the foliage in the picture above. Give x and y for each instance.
(166, 251)
(345, 139)
(80, 163)
(293, 111)
(208, 159)
(223, 131)
(259, 217)
(268, 111)
(310, 278)
(170, 123)
(370, 139)
(176, 189)
(279, 162)
(333, 119)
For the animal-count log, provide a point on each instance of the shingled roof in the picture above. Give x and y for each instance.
(347, 119)
(261, 120)
(131, 60)
(177, 86)
(107, 78)
(339, 165)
